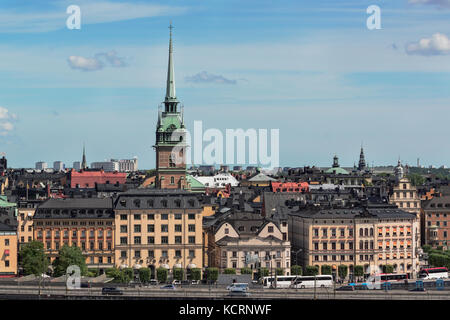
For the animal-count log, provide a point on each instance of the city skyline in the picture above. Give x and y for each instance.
(314, 72)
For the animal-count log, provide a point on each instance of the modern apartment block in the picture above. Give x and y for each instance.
(158, 228)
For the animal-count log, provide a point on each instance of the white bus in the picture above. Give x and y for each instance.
(299, 282)
(433, 273)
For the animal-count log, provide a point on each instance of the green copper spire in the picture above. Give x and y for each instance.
(171, 98)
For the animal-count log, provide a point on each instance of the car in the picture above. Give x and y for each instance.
(238, 286)
(153, 282)
(421, 289)
(168, 286)
(238, 293)
(176, 282)
(195, 282)
(346, 288)
(112, 291)
(85, 285)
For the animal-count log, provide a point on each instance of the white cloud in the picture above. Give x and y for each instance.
(96, 63)
(439, 3)
(84, 64)
(205, 77)
(6, 125)
(438, 44)
(92, 12)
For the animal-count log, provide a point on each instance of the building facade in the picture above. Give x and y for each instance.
(8, 251)
(156, 228)
(368, 237)
(436, 221)
(87, 223)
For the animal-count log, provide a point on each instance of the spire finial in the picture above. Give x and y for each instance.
(171, 98)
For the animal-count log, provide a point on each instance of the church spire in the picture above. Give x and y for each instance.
(362, 160)
(170, 101)
(83, 162)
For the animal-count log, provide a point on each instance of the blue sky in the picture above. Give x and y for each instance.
(309, 68)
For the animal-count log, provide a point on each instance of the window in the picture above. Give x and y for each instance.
(137, 253)
(177, 216)
(164, 216)
(178, 228)
(151, 216)
(191, 239)
(151, 253)
(137, 217)
(150, 228)
(123, 240)
(191, 216)
(164, 254)
(270, 229)
(123, 217)
(123, 254)
(191, 253)
(192, 228)
(227, 231)
(137, 240)
(177, 253)
(177, 239)
(150, 240)
(164, 239)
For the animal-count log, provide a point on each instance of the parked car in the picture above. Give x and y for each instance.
(195, 282)
(85, 285)
(346, 288)
(361, 287)
(153, 282)
(185, 282)
(112, 291)
(168, 286)
(238, 287)
(176, 282)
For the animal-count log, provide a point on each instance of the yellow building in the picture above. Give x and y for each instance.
(8, 251)
(87, 223)
(25, 214)
(366, 236)
(158, 228)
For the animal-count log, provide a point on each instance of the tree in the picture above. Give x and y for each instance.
(416, 179)
(263, 272)
(312, 270)
(246, 270)
(161, 274)
(388, 268)
(144, 274)
(296, 270)
(196, 274)
(212, 274)
(279, 271)
(325, 269)
(342, 271)
(426, 248)
(359, 271)
(68, 256)
(178, 273)
(116, 274)
(93, 273)
(229, 271)
(128, 274)
(33, 259)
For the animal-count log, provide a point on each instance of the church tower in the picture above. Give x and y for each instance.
(362, 160)
(170, 143)
(83, 161)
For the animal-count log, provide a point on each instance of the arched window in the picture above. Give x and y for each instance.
(172, 180)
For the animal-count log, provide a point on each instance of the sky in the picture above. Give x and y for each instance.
(312, 69)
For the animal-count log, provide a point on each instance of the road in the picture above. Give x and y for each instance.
(8, 292)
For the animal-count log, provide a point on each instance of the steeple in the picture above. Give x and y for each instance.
(335, 161)
(83, 162)
(170, 101)
(362, 160)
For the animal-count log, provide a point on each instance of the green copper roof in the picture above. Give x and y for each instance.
(195, 184)
(337, 170)
(170, 120)
(4, 202)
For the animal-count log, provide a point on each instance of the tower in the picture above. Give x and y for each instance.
(362, 160)
(398, 171)
(170, 143)
(83, 162)
(335, 161)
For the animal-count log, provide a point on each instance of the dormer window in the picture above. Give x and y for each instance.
(137, 203)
